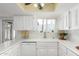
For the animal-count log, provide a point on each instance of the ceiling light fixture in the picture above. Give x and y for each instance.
(42, 4)
(35, 5)
(39, 5)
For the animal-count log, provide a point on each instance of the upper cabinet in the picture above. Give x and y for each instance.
(23, 22)
(74, 19)
(30, 23)
(69, 20)
(62, 23)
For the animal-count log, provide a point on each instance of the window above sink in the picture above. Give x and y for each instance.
(46, 25)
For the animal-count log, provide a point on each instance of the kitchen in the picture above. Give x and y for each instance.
(36, 29)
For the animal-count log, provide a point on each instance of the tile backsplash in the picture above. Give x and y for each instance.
(35, 35)
(41, 35)
(73, 35)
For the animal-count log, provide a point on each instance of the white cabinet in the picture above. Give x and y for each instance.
(52, 51)
(42, 52)
(35, 25)
(73, 19)
(18, 23)
(28, 49)
(23, 22)
(28, 22)
(59, 23)
(33, 48)
(47, 49)
(70, 53)
(77, 11)
(63, 22)
(69, 20)
(62, 50)
(66, 21)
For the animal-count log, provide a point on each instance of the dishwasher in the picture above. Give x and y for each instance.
(28, 48)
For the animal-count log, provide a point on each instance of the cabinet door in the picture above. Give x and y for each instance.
(60, 23)
(28, 49)
(62, 50)
(66, 21)
(74, 19)
(77, 17)
(47, 48)
(42, 52)
(18, 23)
(70, 53)
(63, 21)
(52, 51)
(28, 22)
(23, 22)
(35, 25)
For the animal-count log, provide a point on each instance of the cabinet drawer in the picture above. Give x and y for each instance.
(47, 44)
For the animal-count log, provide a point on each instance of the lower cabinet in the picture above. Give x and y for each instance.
(52, 52)
(28, 49)
(42, 52)
(47, 49)
(38, 49)
(47, 52)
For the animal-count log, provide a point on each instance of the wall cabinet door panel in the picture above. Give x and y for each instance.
(52, 52)
(23, 22)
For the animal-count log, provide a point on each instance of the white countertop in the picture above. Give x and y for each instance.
(7, 45)
(69, 44)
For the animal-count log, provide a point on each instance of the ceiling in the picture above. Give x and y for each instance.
(12, 9)
(33, 7)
